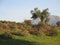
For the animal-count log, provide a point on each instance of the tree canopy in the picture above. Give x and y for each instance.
(42, 14)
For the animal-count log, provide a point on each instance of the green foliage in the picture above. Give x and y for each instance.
(35, 13)
(21, 32)
(52, 32)
(42, 14)
(58, 23)
(6, 34)
(31, 40)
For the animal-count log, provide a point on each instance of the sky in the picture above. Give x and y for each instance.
(19, 10)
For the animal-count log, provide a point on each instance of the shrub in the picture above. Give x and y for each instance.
(3, 26)
(16, 32)
(25, 33)
(34, 32)
(21, 32)
(6, 35)
(45, 30)
(28, 22)
(52, 32)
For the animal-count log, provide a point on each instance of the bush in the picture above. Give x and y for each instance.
(45, 30)
(21, 32)
(52, 32)
(25, 29)
(6, 35)
(16, 32)
(33, 31)
(25, 33)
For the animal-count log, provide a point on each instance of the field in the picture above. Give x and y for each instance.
(31, 40)
(21, 34)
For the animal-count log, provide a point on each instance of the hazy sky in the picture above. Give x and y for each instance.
(19, 10)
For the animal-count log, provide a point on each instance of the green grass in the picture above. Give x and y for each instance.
(13, 29)
(31, 40)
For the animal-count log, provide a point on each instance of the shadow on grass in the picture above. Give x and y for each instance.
(16, 42)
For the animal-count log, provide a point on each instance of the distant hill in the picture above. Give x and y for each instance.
(53, 20)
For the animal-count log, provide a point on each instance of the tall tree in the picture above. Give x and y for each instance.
(36, 13)
(42, 14)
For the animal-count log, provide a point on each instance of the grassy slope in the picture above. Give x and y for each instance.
(31, 40)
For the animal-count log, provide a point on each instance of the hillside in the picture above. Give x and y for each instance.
(12, 33)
